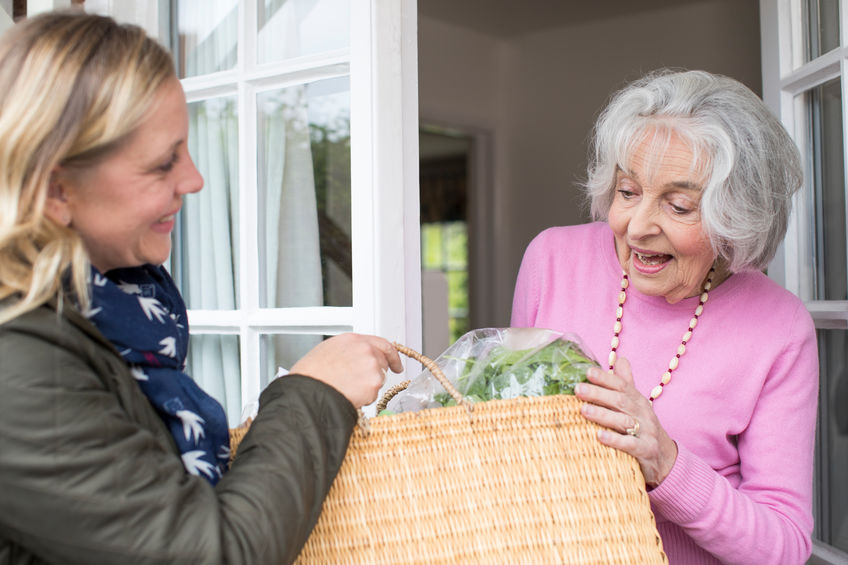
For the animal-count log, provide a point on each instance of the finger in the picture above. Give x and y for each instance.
(616, 421)
(620, 379)
(623, 370)
(600, 395)
(389, 353)
(622, 442)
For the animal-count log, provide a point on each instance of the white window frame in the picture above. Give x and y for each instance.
(784, 78)
(382, 65)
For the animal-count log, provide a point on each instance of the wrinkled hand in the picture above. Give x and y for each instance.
(611, 400)
(353, 364)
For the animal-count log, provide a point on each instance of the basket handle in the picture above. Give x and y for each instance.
(434, 369)
(236, 434)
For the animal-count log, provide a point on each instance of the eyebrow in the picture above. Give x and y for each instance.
(167, 154)
(682, 184)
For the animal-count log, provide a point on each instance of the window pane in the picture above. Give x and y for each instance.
(214, 363)
(431, 246)
(205, 254)
(832, 498)
(151, 15)
(208, 36)
(444, 247)
(827, 174)
(291, 28)
(282, 351)
(457, 240)
(821, 27)
(304, 195)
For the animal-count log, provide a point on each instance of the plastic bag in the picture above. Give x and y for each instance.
(500, 363)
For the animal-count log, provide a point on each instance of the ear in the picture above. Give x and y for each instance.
(56, 205)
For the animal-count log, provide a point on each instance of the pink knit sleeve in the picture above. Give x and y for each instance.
(767, 518)
(525, 300)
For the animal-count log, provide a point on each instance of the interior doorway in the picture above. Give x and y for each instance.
(444, 171)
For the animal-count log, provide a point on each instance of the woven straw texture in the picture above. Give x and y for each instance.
(513, 481)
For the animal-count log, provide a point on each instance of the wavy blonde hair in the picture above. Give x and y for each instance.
(75, 87)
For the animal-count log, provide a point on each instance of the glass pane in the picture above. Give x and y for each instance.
(431, 246)
(291, 28)
(827, 171)
(205, 253)
(214, 362)
(457, 239)
(821, 27)
(832, 497)
(208, 36)
(304, 195)
(281, 351)
(151, 15)
(444, 247)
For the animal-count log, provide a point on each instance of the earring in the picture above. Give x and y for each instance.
(66, 219)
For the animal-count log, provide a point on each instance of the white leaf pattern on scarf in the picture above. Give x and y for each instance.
(169, 347)
(129, 288)
(138, 374)
(195, 465)
(192, 424)
(152, 307)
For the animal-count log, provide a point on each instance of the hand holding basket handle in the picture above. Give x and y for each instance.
(357, 355)
(353, 364)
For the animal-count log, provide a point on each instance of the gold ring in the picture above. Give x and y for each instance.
(634, 431)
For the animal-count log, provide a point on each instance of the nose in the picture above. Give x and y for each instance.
(192, 180)
(643, 221)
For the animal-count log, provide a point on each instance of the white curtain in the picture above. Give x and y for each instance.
(289, 253)
(292, 255)
(210, 247)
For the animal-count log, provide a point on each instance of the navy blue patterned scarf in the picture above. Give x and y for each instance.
(141, 312)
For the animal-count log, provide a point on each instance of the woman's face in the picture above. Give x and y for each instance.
(124, 207)
(655, 216)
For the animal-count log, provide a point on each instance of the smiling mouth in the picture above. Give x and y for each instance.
(166, 219)
(652, 259)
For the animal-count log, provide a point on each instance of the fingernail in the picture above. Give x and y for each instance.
(586, 409)
(578, 388)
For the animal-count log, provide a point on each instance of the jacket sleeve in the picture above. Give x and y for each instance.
(766, 518)
(85, 479)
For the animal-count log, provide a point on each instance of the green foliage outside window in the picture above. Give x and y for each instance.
(444, 247)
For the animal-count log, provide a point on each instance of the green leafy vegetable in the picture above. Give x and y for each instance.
(507, 373)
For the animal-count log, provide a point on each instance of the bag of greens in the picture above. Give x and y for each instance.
(499, 363)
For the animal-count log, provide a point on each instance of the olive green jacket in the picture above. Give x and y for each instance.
(90, 474)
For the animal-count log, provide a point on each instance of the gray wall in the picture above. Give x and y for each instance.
(538, 95)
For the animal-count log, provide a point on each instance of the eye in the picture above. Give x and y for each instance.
(169, 164)
(679, 210)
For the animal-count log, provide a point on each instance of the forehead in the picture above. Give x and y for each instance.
(663, 155)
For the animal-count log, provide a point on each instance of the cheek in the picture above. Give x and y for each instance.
(693, 245)
(617, 221)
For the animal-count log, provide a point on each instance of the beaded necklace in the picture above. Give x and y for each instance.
(681, 349)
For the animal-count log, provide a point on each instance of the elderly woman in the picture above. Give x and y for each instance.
(110, 454)
(713, 374)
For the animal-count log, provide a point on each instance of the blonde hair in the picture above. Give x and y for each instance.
(74, 87)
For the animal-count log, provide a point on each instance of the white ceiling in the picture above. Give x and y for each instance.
(511, 18)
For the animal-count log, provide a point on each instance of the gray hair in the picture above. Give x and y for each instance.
(752, 166)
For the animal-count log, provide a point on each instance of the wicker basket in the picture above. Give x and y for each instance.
(511, 481)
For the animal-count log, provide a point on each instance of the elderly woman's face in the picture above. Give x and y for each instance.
(124, 208)
(655, 217)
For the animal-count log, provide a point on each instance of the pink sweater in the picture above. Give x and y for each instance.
(741, 406)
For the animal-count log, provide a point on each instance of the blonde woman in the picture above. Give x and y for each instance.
(109, 457)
